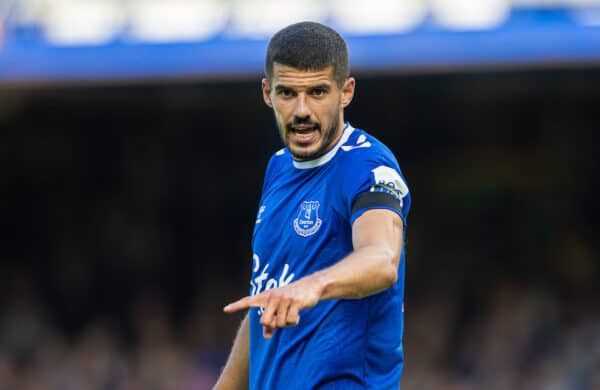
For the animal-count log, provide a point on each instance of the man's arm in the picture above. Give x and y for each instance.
(235, 373)
(372, 267)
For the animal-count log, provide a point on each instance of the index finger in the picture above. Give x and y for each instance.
(245, 303)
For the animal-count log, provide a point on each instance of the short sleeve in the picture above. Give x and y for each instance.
(373, 180)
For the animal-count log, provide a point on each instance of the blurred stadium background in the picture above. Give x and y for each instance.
(133, 143)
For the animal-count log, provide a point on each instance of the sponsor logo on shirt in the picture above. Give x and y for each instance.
(262, 281)
(308, 222)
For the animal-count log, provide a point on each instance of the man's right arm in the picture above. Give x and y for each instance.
(235, 375)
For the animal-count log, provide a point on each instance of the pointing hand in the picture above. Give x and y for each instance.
(281, 306)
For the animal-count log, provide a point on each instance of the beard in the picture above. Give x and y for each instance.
(328, 136)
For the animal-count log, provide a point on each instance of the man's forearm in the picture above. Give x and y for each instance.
(372, 266)
(364, 272)
(235, 374)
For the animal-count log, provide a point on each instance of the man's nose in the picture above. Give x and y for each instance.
(302, 110)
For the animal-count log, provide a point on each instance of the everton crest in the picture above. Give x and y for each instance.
(308, 222)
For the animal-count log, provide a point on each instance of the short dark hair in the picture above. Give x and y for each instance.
(308, 46)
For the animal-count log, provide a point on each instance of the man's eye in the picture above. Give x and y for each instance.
(285, 93)
(318, 92)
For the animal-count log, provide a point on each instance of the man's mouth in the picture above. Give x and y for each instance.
(304, 128)
(305, 133)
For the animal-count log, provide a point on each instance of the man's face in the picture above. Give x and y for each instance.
(308, 108)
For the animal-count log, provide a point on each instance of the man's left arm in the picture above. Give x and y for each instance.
(371, 268)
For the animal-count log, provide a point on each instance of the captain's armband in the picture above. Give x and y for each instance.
(387, 191)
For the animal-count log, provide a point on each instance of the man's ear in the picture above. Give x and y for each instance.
(348, 91)
(266, 90)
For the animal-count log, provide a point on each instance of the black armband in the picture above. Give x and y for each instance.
(368, 200)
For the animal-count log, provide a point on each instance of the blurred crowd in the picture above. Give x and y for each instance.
(521, 340)
(36, 355)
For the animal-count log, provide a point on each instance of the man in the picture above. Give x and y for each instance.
(327, 288)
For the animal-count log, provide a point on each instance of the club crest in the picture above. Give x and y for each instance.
(308, 222)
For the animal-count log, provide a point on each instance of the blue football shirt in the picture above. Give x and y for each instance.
(303, 225)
